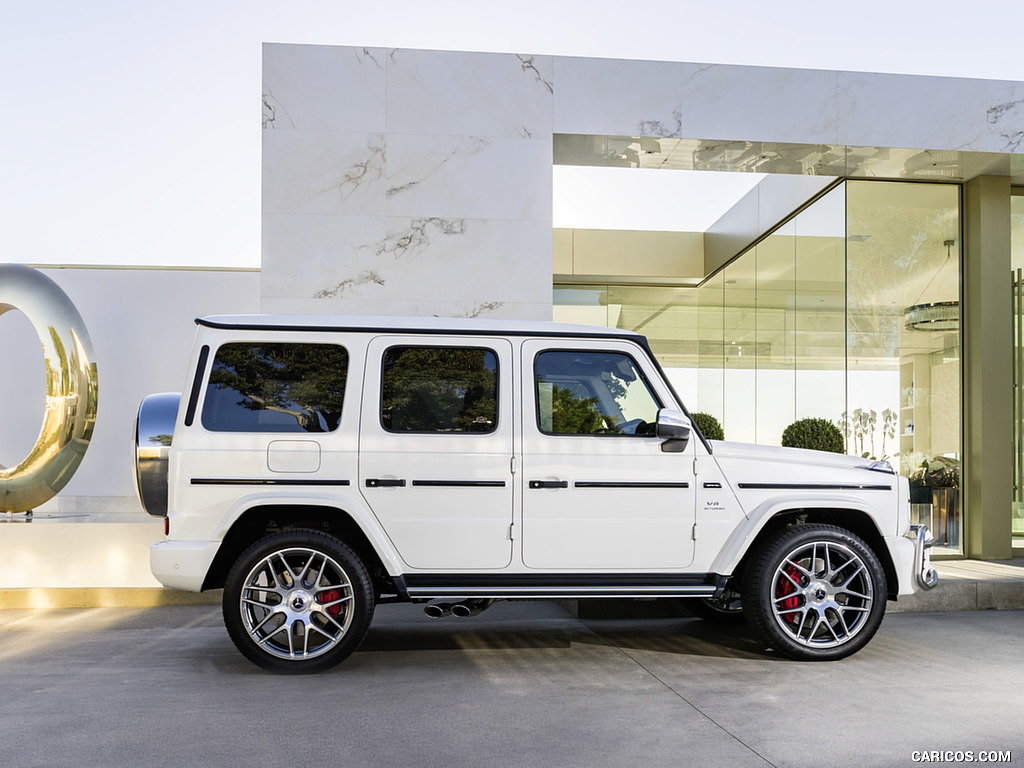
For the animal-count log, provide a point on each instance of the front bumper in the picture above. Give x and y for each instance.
(925, 575)
(911, 560)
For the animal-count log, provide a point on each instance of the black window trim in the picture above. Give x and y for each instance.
(197, 384)
(636, 365)
(497, 390)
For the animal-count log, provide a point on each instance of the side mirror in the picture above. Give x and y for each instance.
(674, 428)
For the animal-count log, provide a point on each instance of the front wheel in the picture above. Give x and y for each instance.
(815, 592)
(297, 602)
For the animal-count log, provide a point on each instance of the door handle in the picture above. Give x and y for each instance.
(384, 482)
(549, 483)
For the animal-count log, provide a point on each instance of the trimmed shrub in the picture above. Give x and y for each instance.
(816, 434)
(709, 426)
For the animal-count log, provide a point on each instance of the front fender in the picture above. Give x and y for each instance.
(744, 536)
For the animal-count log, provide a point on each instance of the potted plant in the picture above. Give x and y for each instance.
(709, 426)
(815, 434)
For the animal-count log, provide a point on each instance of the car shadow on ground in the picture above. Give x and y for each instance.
(683, 636)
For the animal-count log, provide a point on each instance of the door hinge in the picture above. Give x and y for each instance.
(512, 465)
(512, 532)
(695, 466)
(693, 534)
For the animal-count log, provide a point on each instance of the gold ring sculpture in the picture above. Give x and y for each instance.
(71, 389)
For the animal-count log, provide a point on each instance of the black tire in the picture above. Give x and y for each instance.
(727, 609)
(298, 602)
(815, 592)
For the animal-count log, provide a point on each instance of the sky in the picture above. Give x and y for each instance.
(131, 130)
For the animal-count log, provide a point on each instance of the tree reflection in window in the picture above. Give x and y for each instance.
(439, 389)
(276, 387)
(592, 393)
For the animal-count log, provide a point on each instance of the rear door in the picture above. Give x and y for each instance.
(435, 455)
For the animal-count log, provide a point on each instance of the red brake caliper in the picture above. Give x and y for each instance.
(786, 587)
(330, 596)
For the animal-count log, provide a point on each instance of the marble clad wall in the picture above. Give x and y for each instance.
(718, 101)
(419, 182)
(406, 182)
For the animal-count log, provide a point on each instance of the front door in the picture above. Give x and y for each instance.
(599, 493)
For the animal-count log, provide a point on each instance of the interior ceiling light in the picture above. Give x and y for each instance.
(936, 315)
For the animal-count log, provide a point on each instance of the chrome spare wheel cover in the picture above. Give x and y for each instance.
(297, 604)
(822, 594)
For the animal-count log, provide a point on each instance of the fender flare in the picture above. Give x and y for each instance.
(747, 533)
(347, 505)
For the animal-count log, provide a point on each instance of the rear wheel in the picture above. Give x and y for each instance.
(815, 592)
(297, 602)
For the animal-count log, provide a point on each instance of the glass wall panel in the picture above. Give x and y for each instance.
(667, 316)
(820, 308)
(711, 353)
(903, 340)
(1017, 265)
(775, 390)
(740, 348)
(586, 304)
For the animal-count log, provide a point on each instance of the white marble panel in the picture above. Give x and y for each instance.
(931, 112)
(332, 256)
(469, 177)
(469, 94)
(323, 172)
(275, 305)
(760, 104)
(482, 262)
(417, 307)
(353, 265)
(323, 88)
(510, 310)
(618, 97)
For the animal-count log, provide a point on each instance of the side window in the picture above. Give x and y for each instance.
(439, 389)
(275, 387)
(592, 393)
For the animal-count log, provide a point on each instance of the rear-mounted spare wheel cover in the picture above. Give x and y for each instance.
(154, 428)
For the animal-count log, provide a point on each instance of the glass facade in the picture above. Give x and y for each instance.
(1017, 278)
(848, 311)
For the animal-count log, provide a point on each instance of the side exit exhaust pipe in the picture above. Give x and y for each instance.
(468, 608)
(438, 610)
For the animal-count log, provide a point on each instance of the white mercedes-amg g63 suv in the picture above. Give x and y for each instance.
(316, 466)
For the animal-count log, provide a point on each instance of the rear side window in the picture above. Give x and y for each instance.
(276, 387)
(439, 389)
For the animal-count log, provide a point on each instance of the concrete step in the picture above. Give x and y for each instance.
(970, 585)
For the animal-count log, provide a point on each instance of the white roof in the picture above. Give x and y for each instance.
(373, 322)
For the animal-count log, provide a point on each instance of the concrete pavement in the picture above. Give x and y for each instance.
(523, 684)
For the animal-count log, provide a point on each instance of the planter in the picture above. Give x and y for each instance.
(946, 511)
(939, 509)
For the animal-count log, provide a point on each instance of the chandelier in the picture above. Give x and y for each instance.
(936, 315)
